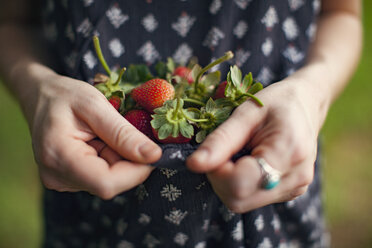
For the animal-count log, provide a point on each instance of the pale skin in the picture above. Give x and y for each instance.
(284, 131)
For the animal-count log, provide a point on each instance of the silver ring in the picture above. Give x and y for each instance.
(270, 176)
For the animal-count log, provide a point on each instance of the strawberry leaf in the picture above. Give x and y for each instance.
(211, 79)
(210, 106)
(256, 87)
(170, 65)
(161, 69)
(200, 136)
(186, 129)
(158, 121)
(247, 82)
(165, 130)
(195, 71)
(236, 76)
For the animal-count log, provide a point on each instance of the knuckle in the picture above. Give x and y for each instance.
(49, 182)
(298, 192)
(104, 190)
(125, 135)
(304, 178)
(236, 207)
(222, 135)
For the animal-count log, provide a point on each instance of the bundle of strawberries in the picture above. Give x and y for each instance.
(180, 103)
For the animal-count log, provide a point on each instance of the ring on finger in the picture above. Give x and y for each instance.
(270, 176)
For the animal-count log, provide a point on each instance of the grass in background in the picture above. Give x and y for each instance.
(347, 165)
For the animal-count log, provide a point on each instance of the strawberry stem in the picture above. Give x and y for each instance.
(178, 106)
(196, 120)
(194, 101)
(120, 76)
(99, 53)
(228, 55)
(253, 97)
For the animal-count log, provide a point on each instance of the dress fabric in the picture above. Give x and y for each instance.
(175, 207)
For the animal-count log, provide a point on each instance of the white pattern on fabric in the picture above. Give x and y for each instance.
(267, 47)
(270, 18)
(213, 37)
(90, 59)
(87, 3)
(176, 216)
(117, 49)
(265, 75)
(85, 28)
(70, 33)
(125, 244)
(170, 192)
(150, 23)
(240, 29)
(266, 243)
(180, 239)
(183, 54)
(259, 222)
(177, 155)
(241, 56)
(237, 234)
(148, 52)
(296, 4)
(116, 17)
(243, 4)
(168, 172)
(183, 24)
(215, 6)
(121, 226)
(150, 241)
(293, 54)
(144, 219)
(290, 28)
(202, 244)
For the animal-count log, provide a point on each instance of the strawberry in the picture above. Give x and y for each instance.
(140, 119)
(220, 91)
(170, 139)
(115, 102)
(184, 72)
(153, 94)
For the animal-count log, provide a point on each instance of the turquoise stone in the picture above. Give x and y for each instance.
(271, 184)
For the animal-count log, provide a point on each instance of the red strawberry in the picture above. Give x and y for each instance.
(220, 91)
(178, 140)
(153, 94)
(115, 101)
(140, 119)
(184, 72)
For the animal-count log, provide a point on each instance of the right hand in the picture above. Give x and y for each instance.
(67, 117)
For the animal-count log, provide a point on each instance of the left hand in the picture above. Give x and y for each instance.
(283, 132)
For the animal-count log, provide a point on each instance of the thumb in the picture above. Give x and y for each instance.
(118, 133)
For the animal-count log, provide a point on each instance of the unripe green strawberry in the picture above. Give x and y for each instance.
(153, 94)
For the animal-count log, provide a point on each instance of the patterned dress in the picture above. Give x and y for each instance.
(174, 207)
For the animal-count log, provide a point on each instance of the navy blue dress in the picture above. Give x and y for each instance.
(174, 207)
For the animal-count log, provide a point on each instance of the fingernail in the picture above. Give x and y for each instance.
(148, 149)
(201, 156)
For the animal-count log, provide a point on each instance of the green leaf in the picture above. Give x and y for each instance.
(161, 110)
(161, 69)
(170, 65)
(200, 136)
(236, 76)
(210, 106)
(165, 130)
(247, 82)
(256, 87)
(131, 75)
(118, 93)
(158, 121)
(144, 73)
(175, 130)
(102, 88)
(212, 78)
(195, 71)
(114, 76)
(223, 114)
(186, 129)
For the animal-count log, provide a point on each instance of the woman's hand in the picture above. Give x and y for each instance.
(283, 132)
(65, 117)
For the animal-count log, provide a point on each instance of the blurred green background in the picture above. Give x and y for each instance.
(347, 157)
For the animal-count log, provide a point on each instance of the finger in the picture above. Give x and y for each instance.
(116, 131)
(104, 151)
(227, 139)
(85, 171)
